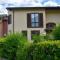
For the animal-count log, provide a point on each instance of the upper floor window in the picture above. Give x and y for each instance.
(34, 20)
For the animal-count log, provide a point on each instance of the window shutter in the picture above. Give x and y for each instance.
(9, 19)
(40, 19)
(29, 20)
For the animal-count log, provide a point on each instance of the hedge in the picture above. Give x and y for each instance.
(47, 50)
(56, 33)
(10, 45)
(16, 47)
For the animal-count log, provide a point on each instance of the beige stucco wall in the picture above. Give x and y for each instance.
(53, 16)
(20, 21)
(10, 26)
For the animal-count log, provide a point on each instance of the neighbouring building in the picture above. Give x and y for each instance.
(32, 20)
(3, 25)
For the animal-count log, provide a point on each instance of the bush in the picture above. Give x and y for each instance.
(38, 38)
(16, 47)
(10, 46)
(56, 33)
(23, 51)
(47, 50)
(2, 41)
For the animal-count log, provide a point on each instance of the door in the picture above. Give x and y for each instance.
(5, 27)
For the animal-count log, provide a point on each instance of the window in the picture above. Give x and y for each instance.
(49, 27)
(24, 33)
(9, 19)
(34, 33)
(34, 20)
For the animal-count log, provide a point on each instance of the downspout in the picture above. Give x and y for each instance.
(13, 21)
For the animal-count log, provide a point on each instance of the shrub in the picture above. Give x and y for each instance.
(2, 41)
(10, 46)
(16, 47)
(38, 38)
(23, 51)
(56, 33)
(47, 50)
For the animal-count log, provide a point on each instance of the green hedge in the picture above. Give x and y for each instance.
(10, 45)
(56, 33)
(16, 47)
(47, 50)
(2, 42)
(23, 51)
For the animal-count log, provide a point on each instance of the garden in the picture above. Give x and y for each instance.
(44, 47)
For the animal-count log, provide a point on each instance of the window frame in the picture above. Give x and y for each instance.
(39, 25)
(34, 33)
(50, 25)
(35, 20)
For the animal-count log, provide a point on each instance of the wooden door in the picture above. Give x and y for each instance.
(5, 27)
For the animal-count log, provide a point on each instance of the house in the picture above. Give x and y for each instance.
(3, 25)
(32, 20)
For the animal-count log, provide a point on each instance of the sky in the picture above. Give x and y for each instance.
(26, 3)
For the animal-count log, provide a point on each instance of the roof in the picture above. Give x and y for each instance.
(22, 8)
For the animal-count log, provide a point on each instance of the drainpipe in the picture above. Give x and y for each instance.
(13, 21)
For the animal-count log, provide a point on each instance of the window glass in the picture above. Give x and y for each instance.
(33, 24)
(36, 18)
(32, 18)
(37, 24)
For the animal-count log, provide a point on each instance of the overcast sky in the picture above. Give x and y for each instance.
(23, 3)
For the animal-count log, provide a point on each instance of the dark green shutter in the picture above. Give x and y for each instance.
(41, 20)
(9, 19)
(29, 20)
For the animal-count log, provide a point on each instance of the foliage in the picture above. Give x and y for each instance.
(23, 51)
(49, 37)
(10, 46)
(47, 50)
(2, 40)
(38, 38)
(16, 47)
(56, 33)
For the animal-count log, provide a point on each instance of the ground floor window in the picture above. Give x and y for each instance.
(50, 27)
(35, 33)
(24, 33)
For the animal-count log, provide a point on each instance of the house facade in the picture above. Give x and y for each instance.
(32, 20)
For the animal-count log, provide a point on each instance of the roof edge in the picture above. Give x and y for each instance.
(13, 8)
